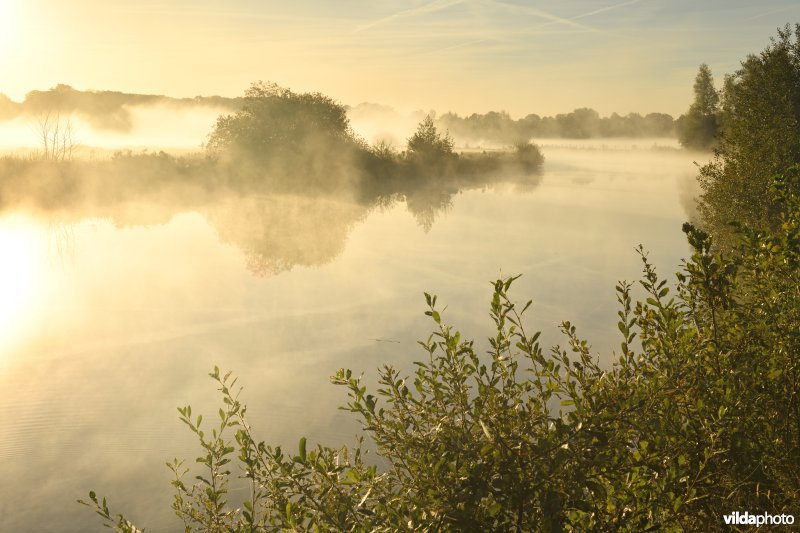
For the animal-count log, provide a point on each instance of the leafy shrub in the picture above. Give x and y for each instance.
(528, 156)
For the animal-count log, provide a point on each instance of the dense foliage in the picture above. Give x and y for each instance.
(698, 416)
(760, 138)
(698, 128)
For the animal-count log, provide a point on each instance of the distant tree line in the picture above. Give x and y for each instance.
(102, 109)
(696, 129)
(109, 110)
(581, 123)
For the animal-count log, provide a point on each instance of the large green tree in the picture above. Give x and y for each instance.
(697, 129)
(760, 138)
(289, 137)
(275, 120)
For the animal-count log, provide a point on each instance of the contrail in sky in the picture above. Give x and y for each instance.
(459, 45)
(541, 14)
(766, 14)
(552, 20)
(427, 8)
(438, 5)
(590, 13)
(607, 8)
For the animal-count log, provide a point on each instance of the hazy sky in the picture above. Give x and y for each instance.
(461, 55)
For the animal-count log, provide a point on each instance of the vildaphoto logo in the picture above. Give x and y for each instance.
(765, 519)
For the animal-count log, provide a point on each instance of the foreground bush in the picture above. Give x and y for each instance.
(697, 417)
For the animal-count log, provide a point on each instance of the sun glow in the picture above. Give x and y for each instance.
(21, 260)
(7, 24)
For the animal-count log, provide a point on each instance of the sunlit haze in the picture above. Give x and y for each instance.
(278, 188)
(450, 55)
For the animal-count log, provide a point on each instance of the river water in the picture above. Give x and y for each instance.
(112, 317)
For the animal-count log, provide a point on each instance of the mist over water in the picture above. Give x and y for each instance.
(104, 121)
(157, 127)
(174, 127)
(153, 127)
(376, 123)
(121, 303)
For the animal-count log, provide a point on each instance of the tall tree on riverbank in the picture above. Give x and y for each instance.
(429, 151)
(699, 126)
(760, 138)
(428, 144)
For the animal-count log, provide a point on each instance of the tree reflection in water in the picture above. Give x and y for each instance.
(276, 227)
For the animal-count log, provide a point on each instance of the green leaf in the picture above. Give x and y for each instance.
(597, 488)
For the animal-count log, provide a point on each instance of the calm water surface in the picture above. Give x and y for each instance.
(111, 319)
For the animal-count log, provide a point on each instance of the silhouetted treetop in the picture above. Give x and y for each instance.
(427, 143)
(275, 122)
(698, 128)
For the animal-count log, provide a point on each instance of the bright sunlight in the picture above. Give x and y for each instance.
(21, 263)
(6, 26)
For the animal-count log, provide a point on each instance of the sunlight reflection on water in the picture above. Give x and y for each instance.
(22, 253)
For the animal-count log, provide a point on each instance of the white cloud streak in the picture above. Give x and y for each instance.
(607, 8)
(553, 19)
(592, 13)
(773, 12)
(431, 7)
